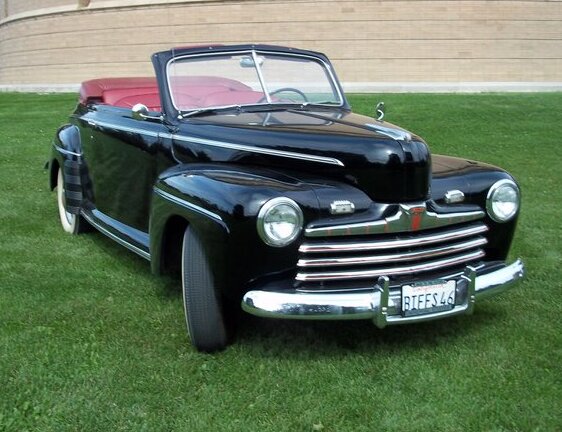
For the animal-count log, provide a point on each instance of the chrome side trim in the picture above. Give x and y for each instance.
(186, 204)
(408, 218)
(398, 257)
(261, 150)
(398, 243)
(380, 304)
(358, 274)
(66, 152)
(122, 128)
(103, 230)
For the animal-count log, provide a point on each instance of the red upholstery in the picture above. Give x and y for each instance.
(127, 98)
(212, 81)
(94, 91)
(232, 97)
(206, 91)
(189, 92)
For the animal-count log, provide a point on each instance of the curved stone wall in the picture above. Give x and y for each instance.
(400, 42)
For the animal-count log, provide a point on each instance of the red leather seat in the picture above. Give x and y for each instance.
(128, 98)
(232, 98)
(122, 92)
(189, 92)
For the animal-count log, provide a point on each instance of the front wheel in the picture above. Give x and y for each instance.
(71, 223)
(201, 300)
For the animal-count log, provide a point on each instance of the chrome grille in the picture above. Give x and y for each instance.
(370, 256)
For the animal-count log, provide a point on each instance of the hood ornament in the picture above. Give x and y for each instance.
(392, 132)
(379, 111)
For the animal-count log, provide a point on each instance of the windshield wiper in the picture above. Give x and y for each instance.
(257, 108)
(322, 104)
(207, 110)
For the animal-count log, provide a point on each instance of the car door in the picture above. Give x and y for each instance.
(121, 157)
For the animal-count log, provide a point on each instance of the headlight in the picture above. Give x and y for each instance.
(279, 221)
(502, 202)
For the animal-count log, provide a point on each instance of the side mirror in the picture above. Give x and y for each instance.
(140, 112)
(379, 111)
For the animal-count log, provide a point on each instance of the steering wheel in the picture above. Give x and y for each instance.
(286, 89)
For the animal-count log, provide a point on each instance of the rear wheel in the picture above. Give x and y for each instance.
(201, 300)
(71, 223)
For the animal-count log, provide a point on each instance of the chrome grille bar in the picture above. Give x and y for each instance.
(396, 257)
(389, 271)
(406, 219)
(425, 239)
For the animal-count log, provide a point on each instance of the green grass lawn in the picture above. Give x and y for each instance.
(91, 341)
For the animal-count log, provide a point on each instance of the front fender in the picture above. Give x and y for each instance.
(221, 203)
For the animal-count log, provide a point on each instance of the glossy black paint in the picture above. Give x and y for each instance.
(144, 181)
(385, 168)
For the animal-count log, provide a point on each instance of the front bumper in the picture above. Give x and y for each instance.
(382, 304)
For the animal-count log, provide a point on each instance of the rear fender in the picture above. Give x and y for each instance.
(67, 153)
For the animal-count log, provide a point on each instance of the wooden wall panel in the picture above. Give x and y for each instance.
(382, 41)
(19, 6)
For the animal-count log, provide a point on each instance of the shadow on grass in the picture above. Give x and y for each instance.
(316, 339)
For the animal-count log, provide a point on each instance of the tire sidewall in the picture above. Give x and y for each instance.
(69, 222)
(201, 300)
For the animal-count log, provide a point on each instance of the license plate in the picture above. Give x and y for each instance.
(428, 297)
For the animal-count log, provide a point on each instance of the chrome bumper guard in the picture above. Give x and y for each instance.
(382, 304)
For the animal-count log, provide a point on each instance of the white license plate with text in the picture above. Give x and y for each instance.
(428, 297)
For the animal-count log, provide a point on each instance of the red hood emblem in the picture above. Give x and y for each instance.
(416, 215)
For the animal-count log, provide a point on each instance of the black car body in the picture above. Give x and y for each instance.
(267, 191)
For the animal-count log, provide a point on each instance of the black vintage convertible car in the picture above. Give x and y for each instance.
(244, 169)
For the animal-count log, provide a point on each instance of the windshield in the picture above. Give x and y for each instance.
(250, 78)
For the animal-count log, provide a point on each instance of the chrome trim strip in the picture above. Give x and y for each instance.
(186, 204)
(398, 243)
(66, 152)
(409, 217)
(398, 257)
(122, 128)
(381, 304)
(112, 236)
(358, 274)
(252, 149)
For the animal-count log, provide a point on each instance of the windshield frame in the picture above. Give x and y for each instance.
(333, 81)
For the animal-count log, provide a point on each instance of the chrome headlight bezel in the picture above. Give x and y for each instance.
(497, 188)
(266, 211)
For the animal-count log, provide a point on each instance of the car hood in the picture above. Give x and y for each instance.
(385, 161)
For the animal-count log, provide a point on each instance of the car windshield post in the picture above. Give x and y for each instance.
(260, 76)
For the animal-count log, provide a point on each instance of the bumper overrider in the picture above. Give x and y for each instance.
(382, 304)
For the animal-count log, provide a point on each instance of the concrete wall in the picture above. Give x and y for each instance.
(386, 42)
